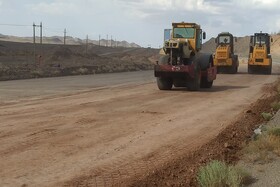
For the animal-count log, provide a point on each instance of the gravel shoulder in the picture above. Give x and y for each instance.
(265, 174)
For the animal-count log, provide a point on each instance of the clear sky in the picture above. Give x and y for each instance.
(139, 21)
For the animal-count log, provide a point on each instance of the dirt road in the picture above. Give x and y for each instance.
(104, 137)
(34, 88)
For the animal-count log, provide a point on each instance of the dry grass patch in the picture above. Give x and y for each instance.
(219, 174)
(265, 147)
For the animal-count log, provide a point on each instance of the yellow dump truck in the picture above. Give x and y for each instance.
(260, 60)
(224, 58)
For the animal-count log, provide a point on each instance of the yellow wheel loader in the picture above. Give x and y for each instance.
(181, 64)
(260, 60)
(224, 58)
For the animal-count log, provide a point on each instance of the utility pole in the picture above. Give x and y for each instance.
(116, 43)
(41, 40)
(34, 42)
(99, 40)
(34, 39)
(111, 40)
(107, 41)
(64, 37)
(87, 44)
(41, 34)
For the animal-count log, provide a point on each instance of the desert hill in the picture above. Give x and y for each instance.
(69, 41)
(17, 59)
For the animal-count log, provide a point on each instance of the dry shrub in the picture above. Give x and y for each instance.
(267, 116)
(219, 174)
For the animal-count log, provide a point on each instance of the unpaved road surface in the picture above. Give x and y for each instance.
(22, 89)
(110, 136)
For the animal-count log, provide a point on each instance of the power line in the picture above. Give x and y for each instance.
(15, 25)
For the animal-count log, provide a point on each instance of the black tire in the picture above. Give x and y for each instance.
(205, 84)
(194, 84)
(219, 70)
(233, 69)
(268, 70)
(236, 69)
(250, 71)
(164, 83)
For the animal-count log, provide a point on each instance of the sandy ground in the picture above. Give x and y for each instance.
(104, 137)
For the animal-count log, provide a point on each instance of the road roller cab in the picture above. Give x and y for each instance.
(224, 57)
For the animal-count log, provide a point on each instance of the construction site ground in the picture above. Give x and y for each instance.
(119, 129)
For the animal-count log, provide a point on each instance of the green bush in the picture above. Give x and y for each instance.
(267, 116)
(219, 174)
(275, 106)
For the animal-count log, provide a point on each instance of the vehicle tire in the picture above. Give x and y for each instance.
(205, 84)
(268, 70)
(218, 70)
(194, 84)
(250, 71)
(164, 83)
(233, 69)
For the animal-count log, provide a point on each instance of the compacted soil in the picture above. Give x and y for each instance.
(120, 135)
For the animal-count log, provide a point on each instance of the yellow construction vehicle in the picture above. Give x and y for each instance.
(181, 63)
(260, 60)
(224, 57)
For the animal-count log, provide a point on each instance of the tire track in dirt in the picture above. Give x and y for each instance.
(122, 172)
(113, 137)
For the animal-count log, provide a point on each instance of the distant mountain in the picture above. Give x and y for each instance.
(69, 40)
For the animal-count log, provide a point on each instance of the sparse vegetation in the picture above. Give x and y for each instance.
(267, 116)
(219, 174)
(274, 132)
(275, 106)
(265, 147)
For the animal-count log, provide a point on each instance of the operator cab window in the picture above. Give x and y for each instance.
(224, 40)
(183, 32)
(260, 39)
